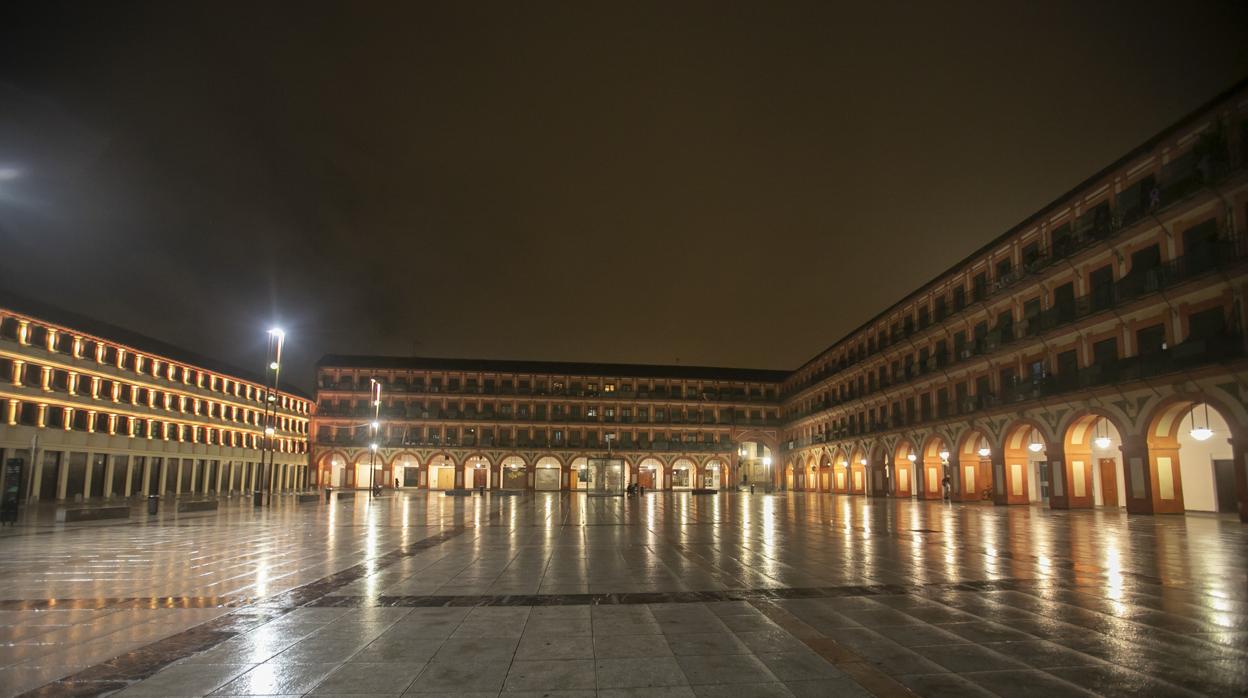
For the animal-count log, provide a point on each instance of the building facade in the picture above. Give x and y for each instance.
(449, 424)
(1093, 355)
(95, 412)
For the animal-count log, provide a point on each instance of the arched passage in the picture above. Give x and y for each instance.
(754, 461)
(825, 472)
(581, 477)
(477, 472)
(974, 467)
(935, 459)
(650, 473)
(333, 470)
(513, 473)
(1190, 459)
(812, 473)
(901, 471)
(714, 474)
(683, 474)
(1023, 454)
(1092, 471)
(407, 470)
(368, 470)
(858, 471)
(840, 472)
(441, 472)
(547, 474)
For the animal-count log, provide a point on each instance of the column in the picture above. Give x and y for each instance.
(1239, 451)
(1000, 491)
(1136, 473)
(1059, 498)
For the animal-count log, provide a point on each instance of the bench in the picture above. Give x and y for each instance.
(92, 514)
(305, 498)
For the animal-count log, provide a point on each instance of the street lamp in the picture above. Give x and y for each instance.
(375, 427)
(273, 359)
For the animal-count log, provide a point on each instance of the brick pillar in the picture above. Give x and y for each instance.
(1136, 468)
(1059, 497)
(1239, 451)
(1000, 488)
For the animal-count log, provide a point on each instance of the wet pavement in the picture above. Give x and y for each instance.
(672, 594)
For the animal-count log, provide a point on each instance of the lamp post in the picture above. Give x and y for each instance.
(374, 428)
(272, 370)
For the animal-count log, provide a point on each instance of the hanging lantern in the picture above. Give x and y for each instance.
(1201, 433)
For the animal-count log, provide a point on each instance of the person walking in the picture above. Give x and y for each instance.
(946, 486)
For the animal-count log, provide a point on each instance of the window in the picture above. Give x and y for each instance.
(1151, 340)
(591, 411)
(1206, 324)
(608, 388)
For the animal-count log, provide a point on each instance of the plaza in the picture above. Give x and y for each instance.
(671, 593)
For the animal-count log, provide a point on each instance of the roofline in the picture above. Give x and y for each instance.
(1135, 152)
(357, 361)
(93, 329)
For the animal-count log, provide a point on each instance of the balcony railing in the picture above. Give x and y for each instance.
(1178, 180)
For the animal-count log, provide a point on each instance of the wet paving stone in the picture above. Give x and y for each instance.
(555, 594)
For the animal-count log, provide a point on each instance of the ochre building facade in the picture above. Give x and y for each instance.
(91, 412)
(1093, 355)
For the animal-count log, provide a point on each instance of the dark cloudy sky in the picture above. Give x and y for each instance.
(715, 183)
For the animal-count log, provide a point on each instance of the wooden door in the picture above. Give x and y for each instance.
(645, 478)
(1109, 482)
(480, 477)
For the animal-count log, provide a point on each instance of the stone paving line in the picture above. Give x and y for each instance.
(944, 600)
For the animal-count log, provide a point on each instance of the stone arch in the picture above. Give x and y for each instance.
(513, 472)
(683, 480)
(972, 476)
(1080, 470)
(441, 471)
(858, 470)
(932, 465)
(549, 474)
(827, 460)
(902, 468)
(1023, 449)
(651, 472)
(478, 471)
(1191, 458)
(714, 474)
(331, 468)
(406, 468)
(812, 471)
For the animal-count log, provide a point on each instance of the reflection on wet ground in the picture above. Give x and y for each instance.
(670, 594)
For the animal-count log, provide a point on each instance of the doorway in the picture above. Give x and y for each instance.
(1109, 481)
(645, 478)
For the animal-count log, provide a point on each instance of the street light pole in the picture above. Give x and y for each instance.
(375, 394)
(272, 370)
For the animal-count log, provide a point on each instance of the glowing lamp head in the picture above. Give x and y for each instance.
(1201, 433)
(376, 425)
(862, 461)
(373, 447)
(273, 366)
(278, 332)
(944, 455)
(1035, 447)
(1102, 442)
(911, 457)
(766, 460)
(268, 431)
(984, 452)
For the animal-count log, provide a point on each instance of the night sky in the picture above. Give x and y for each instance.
(704, 183)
